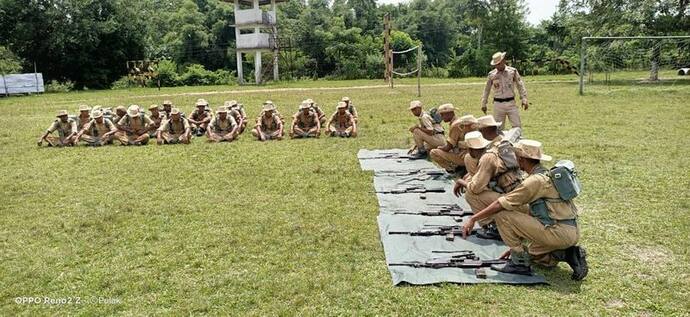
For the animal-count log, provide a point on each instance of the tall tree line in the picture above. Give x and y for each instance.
(89, 41)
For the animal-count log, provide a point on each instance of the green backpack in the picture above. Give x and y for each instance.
(564, 178)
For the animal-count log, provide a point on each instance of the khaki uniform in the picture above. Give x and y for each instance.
(490, 168)
(269, 127)
(81, 122)
(302, 123)
(64, 129)
(456, 156)
(240, 117)
(139, 125)
(426, 141)
(173, 131)
(94, 132)
(222, 130)
(344, 123)
(503, 83)
(199, 116)
(320, 114)
(157, 121)
(515, 225)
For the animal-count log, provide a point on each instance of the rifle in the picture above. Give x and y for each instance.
(457, 216)
(445, 262)
(413, 172)
(389, 156)
(435, 230)
(415, 189)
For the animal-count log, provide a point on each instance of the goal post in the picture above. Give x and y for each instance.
(619, 61)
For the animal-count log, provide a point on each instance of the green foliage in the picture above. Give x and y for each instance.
(88, 42)
(55, 86)
(197, 75)
(167, 73)
(9, 62)
(435, 72)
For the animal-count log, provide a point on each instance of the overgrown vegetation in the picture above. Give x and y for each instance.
(88, 42)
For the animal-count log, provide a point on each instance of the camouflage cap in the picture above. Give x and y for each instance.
(62, 113)
(268, 102)
(304, 105)
(341, 105)
(151, 107)
(97, 114)
(175, 111)
(167, 103)
(222, 109)
(269, 107)
(84, 108)
(121, 108)
(230, 103)
(346, 99)
(309, 101)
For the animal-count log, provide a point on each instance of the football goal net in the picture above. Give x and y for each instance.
(620, 62)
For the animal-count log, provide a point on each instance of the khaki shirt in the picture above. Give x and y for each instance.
(271, 123)
(537, 186)
(200, 116)
(81, 122)
(503, 83)
(135, 123)
(490, 166)
(343, 121)
(222, 126)
(95, 129)
(63, 128)
(306, 121)
(175, 127)
(157, 120)
(426, 122)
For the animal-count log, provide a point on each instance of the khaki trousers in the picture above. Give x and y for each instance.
(541, 241)
(509, 109)
(220, 137)
(60, 141)
(126, 139)
(426, 141)
(332, 130)
(448, 160)
(298, 132)
(94, 139)
(174, 137)
(267, 135)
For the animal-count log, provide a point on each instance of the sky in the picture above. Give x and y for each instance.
(538, 9)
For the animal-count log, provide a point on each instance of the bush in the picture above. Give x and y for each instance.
(436, 72)
(197, 75)
(56, 86)
(124, 82)
(224, 77)
(167, 73)
(9, 62)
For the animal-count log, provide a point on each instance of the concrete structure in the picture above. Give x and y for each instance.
(249, 24)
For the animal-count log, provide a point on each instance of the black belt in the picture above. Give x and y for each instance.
(570, 222)
(504, 99)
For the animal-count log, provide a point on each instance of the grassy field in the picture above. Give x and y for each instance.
(289, 228)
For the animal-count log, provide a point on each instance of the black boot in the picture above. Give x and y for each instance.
(576, 257)
(489, 232)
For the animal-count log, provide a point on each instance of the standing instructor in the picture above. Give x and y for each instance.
(503, 79)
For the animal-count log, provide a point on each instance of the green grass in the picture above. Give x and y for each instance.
(287, 228)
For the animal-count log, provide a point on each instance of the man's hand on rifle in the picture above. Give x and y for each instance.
(467, 228)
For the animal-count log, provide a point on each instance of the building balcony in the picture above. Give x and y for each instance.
(255, 41)
(254, 17)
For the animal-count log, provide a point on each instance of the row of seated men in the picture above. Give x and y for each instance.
(504, 182)
(168, 125)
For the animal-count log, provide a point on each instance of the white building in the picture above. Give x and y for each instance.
(255, 32)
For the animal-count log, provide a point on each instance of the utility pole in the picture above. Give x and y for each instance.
(387, 55)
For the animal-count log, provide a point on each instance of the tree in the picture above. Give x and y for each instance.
(9, 63)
